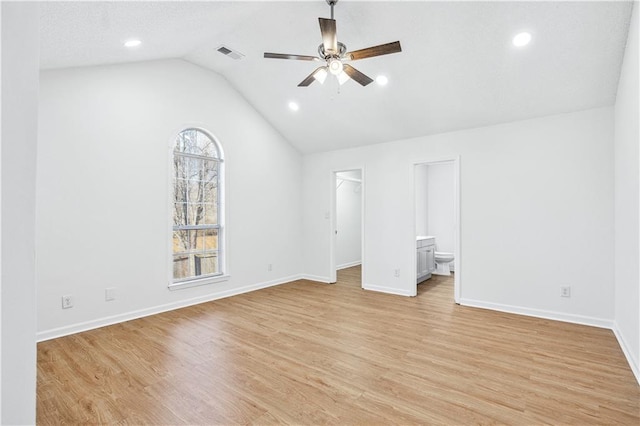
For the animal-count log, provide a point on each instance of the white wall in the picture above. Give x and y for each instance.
(627, 213)
(528, 189)
(103, 190)
(422, 206)
(348, 220)
(440, 204)
(20, 56)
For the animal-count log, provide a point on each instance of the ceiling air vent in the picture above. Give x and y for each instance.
(234, 54)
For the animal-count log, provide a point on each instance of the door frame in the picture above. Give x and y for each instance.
(457, 238)
(333, 273)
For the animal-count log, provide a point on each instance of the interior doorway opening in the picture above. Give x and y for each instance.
(436, 244)
(347, 227)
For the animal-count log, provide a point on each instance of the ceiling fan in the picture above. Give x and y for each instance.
(335, 55)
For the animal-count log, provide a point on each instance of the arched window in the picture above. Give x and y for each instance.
(197, 229)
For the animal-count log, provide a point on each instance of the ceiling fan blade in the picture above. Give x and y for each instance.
(310, 78)
(369, 52)
(356, 75)
(329, 38)
(287, 56)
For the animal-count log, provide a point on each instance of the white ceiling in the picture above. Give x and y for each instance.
(458, 68)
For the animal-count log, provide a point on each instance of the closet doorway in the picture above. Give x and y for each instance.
(347, 224)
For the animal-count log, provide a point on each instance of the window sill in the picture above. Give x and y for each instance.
(196, 283)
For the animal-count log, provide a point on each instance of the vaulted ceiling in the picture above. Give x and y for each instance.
(458, 67)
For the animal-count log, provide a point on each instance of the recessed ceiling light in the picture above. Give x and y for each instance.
(382, 80)
(521, 39)
(132, 43)
(293, 106)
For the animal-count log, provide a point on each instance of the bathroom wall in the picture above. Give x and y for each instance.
(527, 188)
(440, 205)
(422, 209)
(348, 220)
(434, 194)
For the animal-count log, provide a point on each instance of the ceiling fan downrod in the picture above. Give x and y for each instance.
(332, 3)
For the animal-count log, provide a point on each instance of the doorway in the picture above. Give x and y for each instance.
(437, 219)
(347, 224)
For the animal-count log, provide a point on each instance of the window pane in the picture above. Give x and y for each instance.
(210, 214)
(195, 191)
(206, 146)
(193, 169)
(180, 241)
(187, 142)
(187, 241)
(197, 243)
(210, 239)
(210, 191)
(210, 171)
(180, 190)
(193, 265)
(195, 213)
(180, 214)
(207, 263)
(181, 267)
(200, 240)
(192, 141)
(179, 171)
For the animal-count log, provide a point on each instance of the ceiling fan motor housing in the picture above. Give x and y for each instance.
(342, 49)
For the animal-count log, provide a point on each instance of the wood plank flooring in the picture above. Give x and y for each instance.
(310, 353)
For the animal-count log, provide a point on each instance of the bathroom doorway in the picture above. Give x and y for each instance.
(436, 246)
(347, 222)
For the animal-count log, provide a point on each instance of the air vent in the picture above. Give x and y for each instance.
(234, 54)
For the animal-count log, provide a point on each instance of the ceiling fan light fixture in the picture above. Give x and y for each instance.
(343, 77)
(335, 66)
(320, 75)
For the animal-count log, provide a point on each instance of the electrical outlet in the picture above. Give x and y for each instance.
(110, 294)
(565, 291)
(396, 273)
(270, 267)
(67, 302)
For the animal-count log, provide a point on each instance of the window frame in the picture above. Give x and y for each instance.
(223, 273)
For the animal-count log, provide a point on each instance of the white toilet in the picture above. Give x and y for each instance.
(443, 259)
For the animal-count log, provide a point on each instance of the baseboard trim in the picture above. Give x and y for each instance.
(559, 316)
(633, 363)
(128, 316)
(388, 290)
(349, 265)
(317, 278)
(540, 313)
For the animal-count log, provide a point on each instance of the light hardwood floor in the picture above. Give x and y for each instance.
(310, 353)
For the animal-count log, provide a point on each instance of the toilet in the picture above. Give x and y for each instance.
(443, 259)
